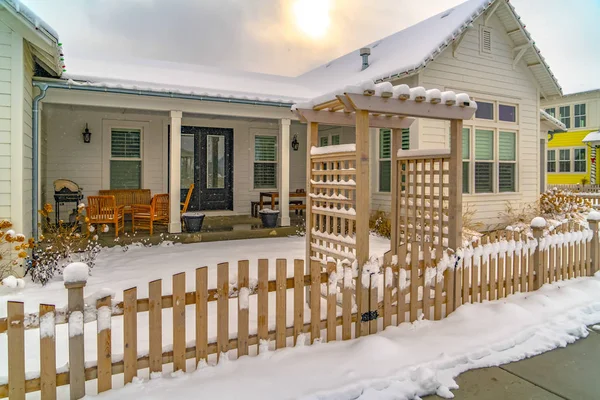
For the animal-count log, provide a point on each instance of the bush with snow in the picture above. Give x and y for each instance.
(13, 250)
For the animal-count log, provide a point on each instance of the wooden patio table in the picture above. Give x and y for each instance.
(274, 195)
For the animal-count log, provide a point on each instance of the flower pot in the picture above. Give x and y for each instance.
(269, 217)
(193, 221)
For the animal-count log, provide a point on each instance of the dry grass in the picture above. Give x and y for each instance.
(469, 221)
(380, 224)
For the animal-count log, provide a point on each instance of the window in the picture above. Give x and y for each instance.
(507, 154)
(335, 140)
(466, 150)
(551, 111)
(580, 160)
(579, 114)
(507, 113)
(565, 115)
(551, 161)
(385, 155)
(484, 161)
(564, 164)
(486, 40)
(484, 110)
(265, 162)
(125, 159)
(324, 141)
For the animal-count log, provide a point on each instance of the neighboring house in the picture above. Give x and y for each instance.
(155, 124)
(569, 158)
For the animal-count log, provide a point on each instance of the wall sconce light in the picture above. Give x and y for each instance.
(295, 143)
(87, 135)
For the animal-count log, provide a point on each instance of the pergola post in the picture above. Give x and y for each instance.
(284, 186)
(312, 135)
(396, 145)
(175, 173)
(362, 188)
(455, 189)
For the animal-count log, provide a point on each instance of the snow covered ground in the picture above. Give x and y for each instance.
(400, 362)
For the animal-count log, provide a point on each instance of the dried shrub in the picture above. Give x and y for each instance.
(557, 203)
(520, 214)
(468, 218)
(13, 249)
(380, 224)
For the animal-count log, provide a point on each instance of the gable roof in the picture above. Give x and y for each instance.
(410, 50)
(553, 123)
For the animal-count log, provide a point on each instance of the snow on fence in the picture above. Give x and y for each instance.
(595, 188)
(421, 281)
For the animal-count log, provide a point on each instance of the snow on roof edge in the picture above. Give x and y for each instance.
(31, 17)
(554, 121)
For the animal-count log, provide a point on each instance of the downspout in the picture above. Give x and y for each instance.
(35, 156)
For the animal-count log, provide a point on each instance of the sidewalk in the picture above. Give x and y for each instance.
(571, 373)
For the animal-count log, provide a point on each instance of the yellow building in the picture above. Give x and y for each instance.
(568, 159)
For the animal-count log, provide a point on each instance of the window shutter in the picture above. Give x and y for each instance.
(486, 40)
(385, 144)
(385, 175)
(484, 144)
(507, 150)
(265, 148)
(125, 144)
(324, 141)
(405, 139)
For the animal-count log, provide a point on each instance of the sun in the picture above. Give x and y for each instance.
(312, 16)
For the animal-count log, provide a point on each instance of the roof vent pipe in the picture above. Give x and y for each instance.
(364, 53)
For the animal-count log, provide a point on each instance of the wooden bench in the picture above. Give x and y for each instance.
(128, 197)
(296, 205)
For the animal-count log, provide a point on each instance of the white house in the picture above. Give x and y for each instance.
(153, 123)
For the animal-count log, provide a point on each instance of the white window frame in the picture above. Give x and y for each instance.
(585, 160)
(253, 157)
(329, 137)
(107, 128)
(553, 113)
(554, 161)
(570, 160)
(496, 110)
(575, 116)
(379, 159)
(570, 117)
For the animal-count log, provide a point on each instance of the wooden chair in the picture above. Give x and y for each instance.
(144, 216)
(188, 196)
(104, 210)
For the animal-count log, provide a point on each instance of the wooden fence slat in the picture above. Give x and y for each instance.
(373, 301)
(493, 277)
(552, 265)
(48, 352)
(16, 350)
(243, 307)
(508, 271)
(222, 309)
(401, 297)
(501, 270)
(530, 270)
(516, 266)
(76, 339)
(280, 302)
(155, 325)
(104, 347)
(475, 282)
(179, 321)
(485, 265)
(347, 294)
(426, 285)
(414, 281)
(315, 300)
(388, 284)
(449, 281)
(588, 257)
(130, 334)
(331, 301)
(466, 275)
(298, 298)
(437, 306)
(565, 256)
(263, 300)
(458, 280)
(201, 314)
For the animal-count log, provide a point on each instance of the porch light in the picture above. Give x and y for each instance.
(295, 143)
(87, 135)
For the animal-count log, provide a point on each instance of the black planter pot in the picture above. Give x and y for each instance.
(193, 221)
(269, 219)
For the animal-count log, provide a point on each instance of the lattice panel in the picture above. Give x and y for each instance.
(332, 223)
(423, 196)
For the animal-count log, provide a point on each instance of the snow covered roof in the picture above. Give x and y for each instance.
(592, 138)
(31, 17)
(553, 121)
(413, 48)
(160, 76)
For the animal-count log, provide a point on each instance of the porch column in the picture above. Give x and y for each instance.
(284, 179)
(175, 173)
(455, 207)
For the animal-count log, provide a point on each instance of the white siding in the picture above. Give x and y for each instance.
(488, 77)
(64, 155)
(5, 115)
(28, 68)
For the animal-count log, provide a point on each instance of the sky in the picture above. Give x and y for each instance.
(289, 37)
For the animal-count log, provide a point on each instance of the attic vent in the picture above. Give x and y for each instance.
(444, 15)
(486, 40)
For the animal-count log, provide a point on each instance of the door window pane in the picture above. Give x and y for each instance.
(465, 188)
(507, 113)
(215, 162)
(484, 177)
(484, 144)
(484, 110)
(188, 157)
(564, 164)
(580, 163)
(506, 177)
(125, 174)
(265, 162)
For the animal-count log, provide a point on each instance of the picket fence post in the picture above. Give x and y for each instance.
(594, 245)
(537, 227)
(76, 341)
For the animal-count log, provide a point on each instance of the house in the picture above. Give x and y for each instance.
(570, 159)
(164, 125)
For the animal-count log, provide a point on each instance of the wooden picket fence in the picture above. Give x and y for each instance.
(421, 281)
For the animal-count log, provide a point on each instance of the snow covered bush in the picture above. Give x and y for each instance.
(62, 244)
(558, 203)
(13, 250)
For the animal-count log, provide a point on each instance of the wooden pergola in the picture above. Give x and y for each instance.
(373, 106)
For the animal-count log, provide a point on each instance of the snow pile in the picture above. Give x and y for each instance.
(47, 325)
(75, 324)
(401, 362)
(593, 216)
(76, 272)
(338, 148)
(13, 282)
(538, 222)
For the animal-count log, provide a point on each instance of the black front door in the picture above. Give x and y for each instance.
(207, 162)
